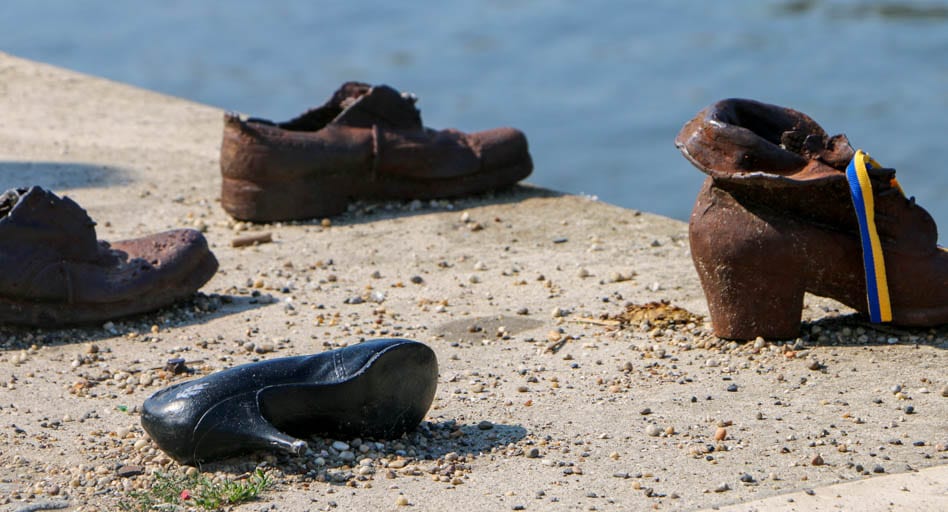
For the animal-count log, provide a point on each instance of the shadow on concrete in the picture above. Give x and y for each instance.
(361, 212)
(473, 330)
(429, 443)
(56, 176)
(854, 330)
(197, 309)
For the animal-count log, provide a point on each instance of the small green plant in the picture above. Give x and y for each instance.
(173, 492)
(212, 496)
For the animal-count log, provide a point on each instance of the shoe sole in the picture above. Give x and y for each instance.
(387, 398)
(323, 196)
(56, 314)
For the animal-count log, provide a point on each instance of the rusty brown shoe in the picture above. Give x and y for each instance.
(787, 209)
(53, 271)
(364, 143)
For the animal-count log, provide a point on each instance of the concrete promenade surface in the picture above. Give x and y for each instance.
(559, 388)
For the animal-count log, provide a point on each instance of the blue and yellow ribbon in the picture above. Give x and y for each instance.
(877, 287)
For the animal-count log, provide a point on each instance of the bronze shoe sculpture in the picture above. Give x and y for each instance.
(379, 388)
(55, 272)
(364, 143)
(787, 209)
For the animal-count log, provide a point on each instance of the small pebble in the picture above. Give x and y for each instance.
(878, 469)
(485, 425)
(398, 464)
(720, 434)
(401, 501)
(653, 430)
(732, 388)
(129, 471)
(817, 461)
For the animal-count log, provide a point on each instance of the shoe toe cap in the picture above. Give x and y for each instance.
(502, 148)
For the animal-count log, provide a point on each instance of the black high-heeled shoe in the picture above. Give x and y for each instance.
(379, 388)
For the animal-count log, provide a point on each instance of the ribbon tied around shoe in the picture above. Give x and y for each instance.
(877, 287)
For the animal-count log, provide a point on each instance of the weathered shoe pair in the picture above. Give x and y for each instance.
(53, 271)
(364, 143)
(379, 388)
(787, 210)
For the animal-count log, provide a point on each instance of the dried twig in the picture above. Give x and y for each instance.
(596, 321)
(252, 239)
(555, 347)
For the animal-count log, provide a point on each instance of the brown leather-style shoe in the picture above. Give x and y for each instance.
(53, 271)
(364, 143)
(788, 210)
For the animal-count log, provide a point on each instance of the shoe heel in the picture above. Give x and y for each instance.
(270, 202)
(753, 282)
(267, 182)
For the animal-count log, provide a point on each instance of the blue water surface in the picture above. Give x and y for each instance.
(601, 87)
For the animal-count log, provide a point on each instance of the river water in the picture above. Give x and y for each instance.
(600, 87)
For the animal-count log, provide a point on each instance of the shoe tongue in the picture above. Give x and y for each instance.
(382, 106)
(37, 216)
